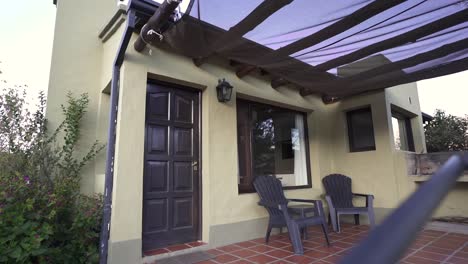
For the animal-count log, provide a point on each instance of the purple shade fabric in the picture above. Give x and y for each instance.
(301, 18)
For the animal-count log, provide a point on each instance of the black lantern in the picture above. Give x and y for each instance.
(224, 91)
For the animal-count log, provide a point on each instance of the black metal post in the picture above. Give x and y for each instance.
(387, 243)
(111, 135)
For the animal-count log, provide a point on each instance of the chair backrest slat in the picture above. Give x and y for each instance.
(269, 189)
(338, 187)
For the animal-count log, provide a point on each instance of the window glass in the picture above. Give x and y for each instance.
(271, 141)
(360, 130)
(402, 134)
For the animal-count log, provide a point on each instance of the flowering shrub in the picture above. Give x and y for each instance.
(43, 216)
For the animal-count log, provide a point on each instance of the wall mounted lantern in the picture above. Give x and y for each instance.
(224, 91)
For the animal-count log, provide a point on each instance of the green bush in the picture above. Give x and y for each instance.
(43, 216)
(446, 133)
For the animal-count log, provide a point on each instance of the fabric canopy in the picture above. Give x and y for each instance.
(330, 47)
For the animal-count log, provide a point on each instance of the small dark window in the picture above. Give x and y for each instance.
(271, 141)
(402, 131)
(360, 130)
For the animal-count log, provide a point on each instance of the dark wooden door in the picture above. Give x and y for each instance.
(171, 174)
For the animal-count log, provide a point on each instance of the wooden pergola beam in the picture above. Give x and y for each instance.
(437, 71)
(437, 53)
(434, 72)
(410, 36)
(244, 70)
(161, 15)
(359, 16)
(251, 21)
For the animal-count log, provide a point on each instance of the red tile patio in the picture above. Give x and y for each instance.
(173, 248)
(429, 247)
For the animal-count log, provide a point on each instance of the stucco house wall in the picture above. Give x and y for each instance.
(82, 63)
(76, 67)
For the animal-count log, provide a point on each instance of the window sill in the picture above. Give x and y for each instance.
(405, 151)
(361, 150)
(284, 189)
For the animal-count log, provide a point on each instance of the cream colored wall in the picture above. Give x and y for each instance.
(128, 169)
(405, 97)
(76, 67)
(370, 170)
(382, 172)
(222, 202)
(455, 202)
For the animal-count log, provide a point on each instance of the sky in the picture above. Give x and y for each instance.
(26, 38)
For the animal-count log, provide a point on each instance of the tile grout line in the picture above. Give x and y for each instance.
(428, 244)
(426, 240)
(348, 236)
(353, 245)
(455, 252)
(243, 258)
(282, 259)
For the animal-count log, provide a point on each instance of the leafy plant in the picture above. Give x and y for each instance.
(43, 216)
(446, 133)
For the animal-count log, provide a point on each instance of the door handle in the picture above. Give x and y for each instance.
(195, 165)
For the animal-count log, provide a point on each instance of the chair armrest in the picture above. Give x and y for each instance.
(282, 207)
(270, 204)
(303, 200)
(369, 198)
(363, 195)
(318, 207)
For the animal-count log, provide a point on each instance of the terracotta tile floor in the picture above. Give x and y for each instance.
(173, 248)
(429, 247)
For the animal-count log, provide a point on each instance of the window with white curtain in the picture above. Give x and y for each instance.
(271, 141)
(402, 131)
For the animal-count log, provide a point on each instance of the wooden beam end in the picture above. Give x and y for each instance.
(244, 70)
(198, 61)
(277, 82)
(328, 99)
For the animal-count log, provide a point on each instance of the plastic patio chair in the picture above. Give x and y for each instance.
(272, 198)
(340, 200)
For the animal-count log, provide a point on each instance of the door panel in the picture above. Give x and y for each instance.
(183, 109)
(158, 106)
(158, 173)
(157, 139)
(183, 176)
(183, 140)
(158, 221)
(182, 213)
(171, 175)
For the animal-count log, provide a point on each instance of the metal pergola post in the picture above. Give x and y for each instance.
(111, 135)
(387, 243)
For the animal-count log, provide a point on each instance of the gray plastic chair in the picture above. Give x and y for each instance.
(272, 198)
(340, 200)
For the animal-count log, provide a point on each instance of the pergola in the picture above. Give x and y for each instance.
(305, 43)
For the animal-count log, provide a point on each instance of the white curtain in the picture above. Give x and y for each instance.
(298, 144)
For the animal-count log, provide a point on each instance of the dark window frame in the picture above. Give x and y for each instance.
(352, 144)
(248, 146)
(401, 115)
